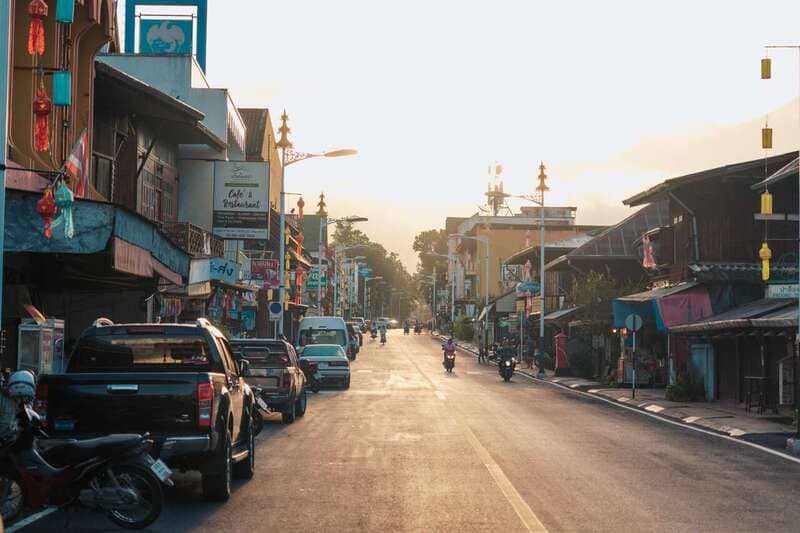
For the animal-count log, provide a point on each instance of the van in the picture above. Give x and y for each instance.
(323, 330)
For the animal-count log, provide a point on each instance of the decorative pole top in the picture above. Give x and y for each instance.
(542, 187)
(284, 130)
(322, 211)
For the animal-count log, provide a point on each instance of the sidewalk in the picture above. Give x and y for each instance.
(726, 419)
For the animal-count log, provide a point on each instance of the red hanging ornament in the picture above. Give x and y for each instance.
(41, 108)
(300, 205)
(46, 207)
(37, 9)
(300, 240)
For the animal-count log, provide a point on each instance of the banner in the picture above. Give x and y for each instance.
(165, 36)
(265, 271)
(241, 200)
(314, 280)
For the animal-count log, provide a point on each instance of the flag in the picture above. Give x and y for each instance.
(77, 164)
(648, 260)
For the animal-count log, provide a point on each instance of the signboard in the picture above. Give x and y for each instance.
(265, 271)
(165, 36)
(511, 273)
(314, 279)
(241, 200)
(206, 269)
(633, 322)
(275, 311)
(783, 290)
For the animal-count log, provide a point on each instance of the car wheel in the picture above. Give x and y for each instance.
(217, 486)
(302, 403)
(247, 468)
(290, 414)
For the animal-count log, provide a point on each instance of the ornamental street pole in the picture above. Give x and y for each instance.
(5, 74)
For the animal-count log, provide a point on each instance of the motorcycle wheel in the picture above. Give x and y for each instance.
(149, 489)
(258, 421)
(11, 497)
(506, 377)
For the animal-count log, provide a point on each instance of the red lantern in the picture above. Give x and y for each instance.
(46, 207)
(37, 9)
(300, 205)
(41, 108)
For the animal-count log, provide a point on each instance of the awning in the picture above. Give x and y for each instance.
(137, 244)
(560, 314)
(486, 309)
(665, 307)
(767, 312)
(787, 171)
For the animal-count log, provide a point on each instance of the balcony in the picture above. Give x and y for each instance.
(194, 240)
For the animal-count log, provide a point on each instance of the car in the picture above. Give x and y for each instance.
(274, 367)
(324, 330)
(362, 324)
(393, 324)
(333, 366)
(177, 382)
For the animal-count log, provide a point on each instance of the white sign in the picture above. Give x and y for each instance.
(275, 311)
(241, 200)
(783, 290)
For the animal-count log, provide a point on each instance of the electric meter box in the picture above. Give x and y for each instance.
(41, 346)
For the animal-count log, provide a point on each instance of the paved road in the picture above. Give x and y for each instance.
(410, 448)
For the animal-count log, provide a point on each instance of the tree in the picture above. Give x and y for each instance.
(430, 241)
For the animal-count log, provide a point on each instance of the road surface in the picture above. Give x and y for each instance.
(410, 448)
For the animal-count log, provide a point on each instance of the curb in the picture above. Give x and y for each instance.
(791, 453)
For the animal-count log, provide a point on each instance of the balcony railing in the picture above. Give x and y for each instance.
(194, 240)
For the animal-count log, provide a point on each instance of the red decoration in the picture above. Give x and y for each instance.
(300, 240)
(46, 207)
(300, 205)
(41, 108)
(37, 9)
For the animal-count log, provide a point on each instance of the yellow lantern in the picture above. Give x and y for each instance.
(766, 138)
(765, 254)
(766, 68)
(766, 203)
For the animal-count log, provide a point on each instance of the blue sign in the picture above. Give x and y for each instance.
(205, 269)
(164, 36)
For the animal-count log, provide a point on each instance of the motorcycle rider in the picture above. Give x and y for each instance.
(406, 327)
(448, 347)
(373, 329)
(383, 332)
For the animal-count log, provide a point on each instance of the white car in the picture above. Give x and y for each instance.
(333, 366)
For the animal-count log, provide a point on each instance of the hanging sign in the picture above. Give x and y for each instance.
(265, 271)
(314, 279)
(165, 36)
(783, 290)
(241, 200)
(208, 268)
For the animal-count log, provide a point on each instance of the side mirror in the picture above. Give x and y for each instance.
(244, 367)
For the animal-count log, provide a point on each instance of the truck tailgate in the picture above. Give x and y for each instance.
(159, 403)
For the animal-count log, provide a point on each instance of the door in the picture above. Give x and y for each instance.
(702, 363)
(235, 386)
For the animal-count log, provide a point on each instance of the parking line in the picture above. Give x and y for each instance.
(31, 519)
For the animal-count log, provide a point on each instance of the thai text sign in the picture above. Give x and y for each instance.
(314, 279)
(783, 290)
(241, 200)
(265, 271)
(205, 269)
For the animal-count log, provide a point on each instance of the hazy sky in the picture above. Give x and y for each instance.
(613, 96)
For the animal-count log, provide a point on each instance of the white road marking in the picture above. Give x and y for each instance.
(440, 395)
(770, 451)
(364, 371)
(31, 519)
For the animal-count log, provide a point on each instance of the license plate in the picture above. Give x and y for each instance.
(161, 470)
(262, 404)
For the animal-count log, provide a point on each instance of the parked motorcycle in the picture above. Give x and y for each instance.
(261, 410)
(506, 368)
(449, 361)
(114, 474)
(311, 370)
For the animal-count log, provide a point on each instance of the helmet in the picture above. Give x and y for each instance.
(22, 384)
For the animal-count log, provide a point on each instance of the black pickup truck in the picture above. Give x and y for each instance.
(178, 382)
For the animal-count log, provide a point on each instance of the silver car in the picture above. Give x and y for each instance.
(333, 366)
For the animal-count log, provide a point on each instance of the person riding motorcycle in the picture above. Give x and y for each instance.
(448, 347)
(373, 329)
(383, 332)
(406, 327)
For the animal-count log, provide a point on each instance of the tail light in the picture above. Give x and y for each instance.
(40, 403)
(338, 363)
(286, 381)
(205, 396)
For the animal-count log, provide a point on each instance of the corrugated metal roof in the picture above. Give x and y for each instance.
(783, 318)
(748, 315)
(655, 294)
(787, 171)
(561, 313)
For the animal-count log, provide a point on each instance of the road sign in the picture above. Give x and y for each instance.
(633, 322)
(275, 311)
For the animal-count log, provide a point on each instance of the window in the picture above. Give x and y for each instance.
(141, 353)
(103, 174)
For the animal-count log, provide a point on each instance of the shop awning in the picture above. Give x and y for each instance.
(767, 312)
(486, 310)
(555, 316)
(665, 307)
(137, 244)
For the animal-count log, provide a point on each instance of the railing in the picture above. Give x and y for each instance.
(194, 240)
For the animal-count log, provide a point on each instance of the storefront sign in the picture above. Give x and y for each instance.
(314, 280)
(241, 200)
(165, 36)
(512, 273)
(265, 271)
(205, 269)
(783, 290)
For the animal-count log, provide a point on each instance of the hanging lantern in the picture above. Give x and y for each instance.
(64, 200)
(766, 203)
(766, 138)
(765, 254)
(62, 88)
(766, 68)
(300, 205)
(46, 207)
(37, 10)
(41, 108)
(65, 11)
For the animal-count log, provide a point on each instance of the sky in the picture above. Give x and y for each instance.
(613, 96)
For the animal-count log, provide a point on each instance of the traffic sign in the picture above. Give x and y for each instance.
(275, 310)
(633, 322)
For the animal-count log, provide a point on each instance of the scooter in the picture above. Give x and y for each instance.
(114, 474)
(261, 410)
(405, 330)
(506, 368)
(449, 361)
(417, 329)
(383, 337)
(373, 334)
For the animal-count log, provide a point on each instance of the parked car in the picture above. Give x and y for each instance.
(362, 324)
(274, 367)
(324, 330)
(178, 382)
(332, 363)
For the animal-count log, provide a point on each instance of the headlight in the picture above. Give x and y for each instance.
(508, 363)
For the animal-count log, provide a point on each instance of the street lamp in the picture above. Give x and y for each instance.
(324, 222)
(288, 157)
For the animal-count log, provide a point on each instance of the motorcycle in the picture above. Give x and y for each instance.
(311, 371)
(113, 474)
(449, 361)
(405, 330)
(383, 337)
(417, 329)
(373, 334)
(261, 409)
(506, 368)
